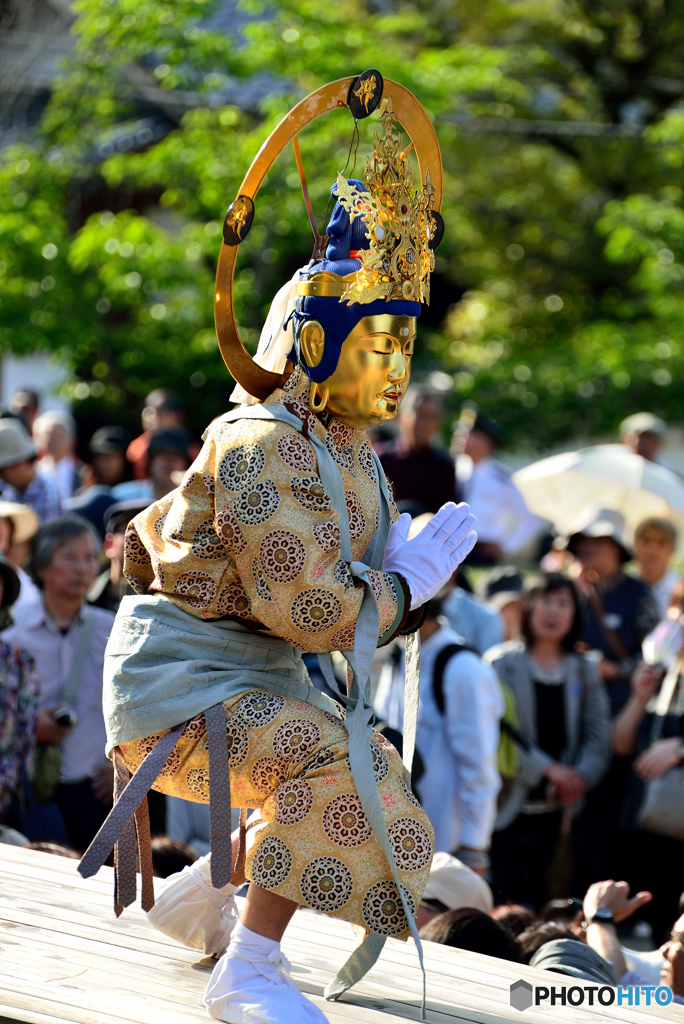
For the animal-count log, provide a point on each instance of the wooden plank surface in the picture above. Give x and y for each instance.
(66, 959)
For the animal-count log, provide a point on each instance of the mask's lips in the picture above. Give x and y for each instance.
(392, 394)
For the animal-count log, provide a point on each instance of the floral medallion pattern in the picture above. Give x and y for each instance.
(282, 555)
(241, 467)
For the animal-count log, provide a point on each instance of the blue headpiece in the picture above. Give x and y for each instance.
(337, 317)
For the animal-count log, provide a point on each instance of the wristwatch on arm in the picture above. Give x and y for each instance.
(602, 915)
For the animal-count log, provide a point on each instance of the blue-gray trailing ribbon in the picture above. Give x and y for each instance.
(361, 761)
(120, 818)
(219, 791)
(125, 849)
(135, 839)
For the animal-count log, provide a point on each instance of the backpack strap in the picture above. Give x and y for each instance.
(441, 662)
(515, 735)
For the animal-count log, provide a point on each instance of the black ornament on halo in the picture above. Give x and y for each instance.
(436, 229)
(365, 94)
(238, 220)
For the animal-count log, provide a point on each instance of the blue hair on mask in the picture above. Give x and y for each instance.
(337, 318)
(346, 237)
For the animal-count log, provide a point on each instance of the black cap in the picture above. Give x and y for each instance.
(502, 585)
(108, 439)
(473, 418)
(121, 513)
(173, 439)
(91, 505)
(162, 398)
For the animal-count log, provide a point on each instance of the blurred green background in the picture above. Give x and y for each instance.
(558, 300)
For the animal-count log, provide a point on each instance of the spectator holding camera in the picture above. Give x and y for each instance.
(67, 639)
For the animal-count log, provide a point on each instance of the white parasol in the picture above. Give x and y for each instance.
(564, 487)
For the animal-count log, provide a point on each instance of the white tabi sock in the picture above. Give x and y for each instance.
(250, 985)
(249, 945)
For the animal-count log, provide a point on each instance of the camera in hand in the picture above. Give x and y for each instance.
(66, 717)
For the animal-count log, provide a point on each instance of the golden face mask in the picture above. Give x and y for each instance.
(373, 371)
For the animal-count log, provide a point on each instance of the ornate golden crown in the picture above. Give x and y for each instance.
(402, 226)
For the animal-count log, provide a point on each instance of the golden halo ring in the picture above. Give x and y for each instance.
(417, 125)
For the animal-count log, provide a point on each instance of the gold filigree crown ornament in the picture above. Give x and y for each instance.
(403, 226)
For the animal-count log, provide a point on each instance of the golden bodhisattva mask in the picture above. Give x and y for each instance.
(372, 373)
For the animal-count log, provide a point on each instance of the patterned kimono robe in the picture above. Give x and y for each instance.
(252, 535)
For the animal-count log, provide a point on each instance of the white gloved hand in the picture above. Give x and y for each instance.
(428, 561)
(189, 909)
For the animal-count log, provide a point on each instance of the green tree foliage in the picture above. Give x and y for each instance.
(558, 298)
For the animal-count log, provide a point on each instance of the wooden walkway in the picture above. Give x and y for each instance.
(64, 957)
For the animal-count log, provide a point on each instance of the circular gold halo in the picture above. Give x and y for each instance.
(414, 120)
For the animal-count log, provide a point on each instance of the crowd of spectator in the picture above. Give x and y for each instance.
(576, 938)
(62, 526)
(539, 729)
(541, 720)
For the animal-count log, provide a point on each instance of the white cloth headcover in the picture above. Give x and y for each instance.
(274, 342)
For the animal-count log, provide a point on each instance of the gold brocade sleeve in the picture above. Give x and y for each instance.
(273, 513)
(251, 534)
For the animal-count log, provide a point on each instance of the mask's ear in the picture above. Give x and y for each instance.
(312, 342)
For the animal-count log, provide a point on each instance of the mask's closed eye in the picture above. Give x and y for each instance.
(382, 345)
(387, 345)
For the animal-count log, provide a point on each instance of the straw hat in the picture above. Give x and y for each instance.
(456, 886)
(25, 521)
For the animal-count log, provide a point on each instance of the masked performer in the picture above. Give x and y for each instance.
(283, 538)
